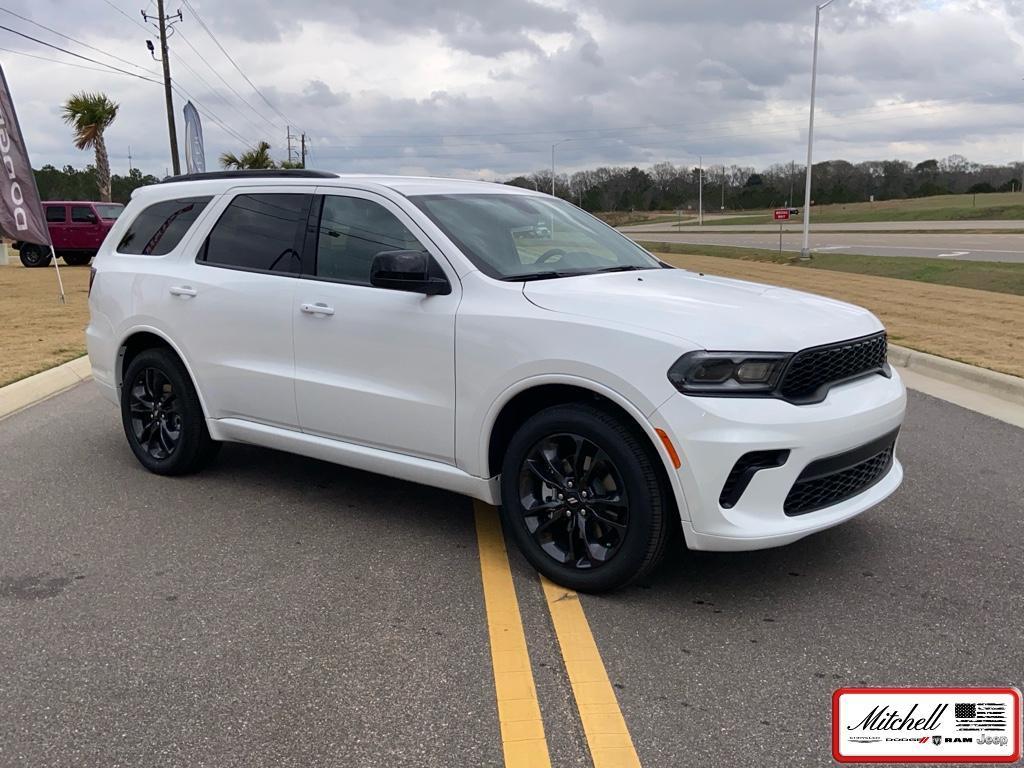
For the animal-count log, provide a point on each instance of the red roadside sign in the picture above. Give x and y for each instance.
(781, 214)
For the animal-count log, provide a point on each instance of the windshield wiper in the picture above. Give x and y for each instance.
(528, 276)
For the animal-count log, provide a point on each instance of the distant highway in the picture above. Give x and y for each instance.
(861, 226)
(952, 245)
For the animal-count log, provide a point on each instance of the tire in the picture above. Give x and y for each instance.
(77, 259)
(162, 417)
(611, 493)
(34, 256)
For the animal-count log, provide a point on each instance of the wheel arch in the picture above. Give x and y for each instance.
(147, 337)
(530, 397)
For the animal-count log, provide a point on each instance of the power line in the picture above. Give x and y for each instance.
(226, 83)
(79, 42)
(233, 62)
(76, 55)
(111, 67)
(55, 61)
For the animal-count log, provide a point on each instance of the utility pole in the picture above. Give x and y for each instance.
(129, 159)
(303, 150)
(805, 251)
(165, 25)
(563, 141)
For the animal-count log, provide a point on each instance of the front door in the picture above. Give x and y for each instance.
(373, 366)
(85, 231)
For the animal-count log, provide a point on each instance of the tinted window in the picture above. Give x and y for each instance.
(109, 210)
(260, 232)
(353, 231)
(160, 227)
(55, 213)
(81, 214)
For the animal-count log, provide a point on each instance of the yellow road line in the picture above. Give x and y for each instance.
(522, 730)
(607, 735)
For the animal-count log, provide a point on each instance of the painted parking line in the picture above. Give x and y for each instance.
(610, 744)
(522, 730)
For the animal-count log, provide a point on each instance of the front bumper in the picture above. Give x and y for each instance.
(711, 434)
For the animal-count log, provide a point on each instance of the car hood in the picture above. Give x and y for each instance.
(714, 313)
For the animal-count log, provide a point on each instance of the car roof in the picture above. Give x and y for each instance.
(216, 183)
(79, 202)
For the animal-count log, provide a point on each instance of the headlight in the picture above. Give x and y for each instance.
(727, 373)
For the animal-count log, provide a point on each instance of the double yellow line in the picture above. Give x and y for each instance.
(522, 727)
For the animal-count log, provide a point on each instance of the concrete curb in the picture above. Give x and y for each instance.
(999, 385)
(21, 394)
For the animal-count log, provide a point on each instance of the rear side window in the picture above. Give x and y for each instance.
(260, 233)
(352, 231)
(159, 228)
(81, 214)
(55, 214)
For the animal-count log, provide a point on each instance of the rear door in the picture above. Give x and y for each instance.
(230, 303)
(373, 366)
(56, 221)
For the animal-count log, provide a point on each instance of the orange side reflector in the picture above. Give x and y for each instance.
(669, 447)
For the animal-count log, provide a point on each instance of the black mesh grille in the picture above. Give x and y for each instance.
(811, 371)
(813, 491)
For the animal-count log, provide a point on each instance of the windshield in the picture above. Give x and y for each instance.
(523, 237)
(109, 210)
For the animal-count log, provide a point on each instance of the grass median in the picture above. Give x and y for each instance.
(36, 331)
(996, 276)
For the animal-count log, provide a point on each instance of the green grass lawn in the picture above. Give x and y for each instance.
(983, 275)
(992, 206)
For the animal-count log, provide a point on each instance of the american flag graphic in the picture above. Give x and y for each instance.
(980, 716)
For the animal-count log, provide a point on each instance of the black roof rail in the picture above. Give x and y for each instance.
(270, 173)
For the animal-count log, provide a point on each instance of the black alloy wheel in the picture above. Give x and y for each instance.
(575, 505)
(162, 416)
(34, 256)
(155, 417)
(583, 498)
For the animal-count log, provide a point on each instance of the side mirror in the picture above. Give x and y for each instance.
(412, 271)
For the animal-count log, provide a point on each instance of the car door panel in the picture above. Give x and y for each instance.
(379, 370)
(236, 323)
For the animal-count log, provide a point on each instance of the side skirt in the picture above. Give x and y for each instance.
(397, 465)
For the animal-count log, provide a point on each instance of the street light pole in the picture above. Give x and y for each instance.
(700, 191)
(563, 141)
(805, 251)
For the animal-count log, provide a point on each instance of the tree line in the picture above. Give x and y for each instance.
(665, 186)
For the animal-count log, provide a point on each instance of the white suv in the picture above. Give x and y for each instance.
(408, 326)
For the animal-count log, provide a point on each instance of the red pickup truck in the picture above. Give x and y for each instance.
(77, 229)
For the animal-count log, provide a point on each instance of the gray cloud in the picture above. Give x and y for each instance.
(480, 88)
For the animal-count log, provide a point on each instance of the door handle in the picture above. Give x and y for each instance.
(317, 309)
(183, 290)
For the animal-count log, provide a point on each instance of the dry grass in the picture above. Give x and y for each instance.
(977, 327)
(36, 331)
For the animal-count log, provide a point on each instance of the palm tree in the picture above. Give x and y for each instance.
(90, 114)
(259, 157)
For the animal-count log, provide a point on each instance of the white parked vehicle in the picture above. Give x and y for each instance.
(399, 325)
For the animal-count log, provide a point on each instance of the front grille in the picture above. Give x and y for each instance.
(812, 371)
(834, 479)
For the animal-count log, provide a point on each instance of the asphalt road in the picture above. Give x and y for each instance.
(279, 611)
(960, 246)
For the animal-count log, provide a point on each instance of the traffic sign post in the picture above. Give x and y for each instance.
(781, 215)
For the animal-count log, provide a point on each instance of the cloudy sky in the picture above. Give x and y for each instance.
(482, 88)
